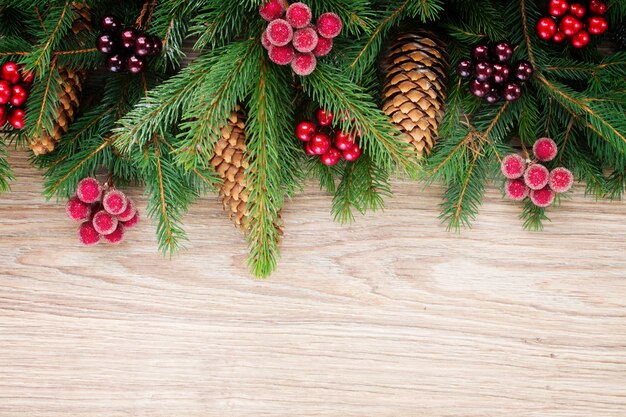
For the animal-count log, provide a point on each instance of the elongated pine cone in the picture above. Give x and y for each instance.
(71, 83)
(414, 91)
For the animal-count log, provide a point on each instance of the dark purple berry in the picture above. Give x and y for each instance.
(480, 88)
(492, 96)
(503, 51)
(157, 46)
(481, 53)
(501, 72)
(105, 43)
(143, 45)
(511, 91)
(483, 71)
(524, 71)
(115, 63)
(135, 64)
(111, 24)
(464, 69)
(127, 38)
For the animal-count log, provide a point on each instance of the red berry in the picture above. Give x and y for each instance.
(524, 71)
(319, 143)
(536, 176)
(305, 130)
(570, 25)
(598, 7)
(465, 68)
(578, 10)
(299, 15)
(28, 77)
(265, 41)
(77, 210)
(127, 38)
(132, 222)
(503, 51)
(308, 150)
(501, 72)
(88, 190)
(561, 180)
(117, 236)
(10, 72)
(511, 91)
(142, 45)
(597, 25)
(581, 39)
(324, 46)
(324, 118)
(483, 70)
(331, 157)
(304, 64)
(481, 53)
(480, 88)
(492, 96)
(271, 10)
(282, 55)
(513, 166)
(343, 140)
(545, 149)
(516, 190)
(19, 95)
(116, 62)
(104, 223)
(543, 197)
(558, 7)
(5, 92)
(87, 234)
(546, 28)
(129, 213)
(559, 37)
(353, 153)
(105, 43)
(110, 24)
(305, 40)
(279, 32)
(329, 25)
(3, 115)
(114, 202)
(16, 118)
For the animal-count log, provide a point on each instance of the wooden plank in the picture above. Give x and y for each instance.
(392, 316)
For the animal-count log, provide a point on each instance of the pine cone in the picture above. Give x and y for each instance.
(414, 91)
(71, 87)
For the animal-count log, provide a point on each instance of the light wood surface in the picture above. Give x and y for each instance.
(392, 316)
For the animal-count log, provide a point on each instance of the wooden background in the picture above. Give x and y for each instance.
(393, 316)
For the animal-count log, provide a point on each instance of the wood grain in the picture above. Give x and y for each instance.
(392, 316)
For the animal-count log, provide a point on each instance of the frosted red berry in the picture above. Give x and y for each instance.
(88, 235)
(128, 214)
(324, 117)
(516, 189)
(353, 153)
(304, 64)
(104, 223)
(329, 25)
(536, 176)
(545, 149)
(271, 10)
(561, 180)
(299, 15)
(513, 166)
(279, 32)
(324, 46)
(331, 156)
(117, 236)
(543, 197)
(265, 41)
(319, 143)
(282, 55)
(132, 222)
(305, 40)
(77, 210)
(114, 202)
(89, 190)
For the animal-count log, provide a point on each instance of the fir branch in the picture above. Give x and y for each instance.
(6, 174)
(43, 103)
(533, 216)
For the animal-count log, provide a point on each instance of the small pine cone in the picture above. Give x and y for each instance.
(83, 18)
(414, 91)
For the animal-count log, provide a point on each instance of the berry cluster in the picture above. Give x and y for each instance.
(293, 40)
(573, 21)
(530, 178)
(14, 88)
(104, 211)
(126, 48)
(317, 138)
(493, 77)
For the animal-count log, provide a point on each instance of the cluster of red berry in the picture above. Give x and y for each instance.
(530, 178)
(493, 76)
(573, 21)
(104, 211)
(317, 138)
(14, 88)
(126, 48)
(293, 40)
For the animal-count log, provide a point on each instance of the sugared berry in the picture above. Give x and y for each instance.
(117, 236)
(279, 32)
(271, 10)
(129, 224)
(304, 64)
(114, 202)
(545, 149)
(265, 41)
(324, 46)
(516, 190)
(281, 55)
(513, 166)
(536, 176)
(561, 180)
(329, 25)
(88, 235)
(299, 15)
(543, 197)
(129, 213)
(77, 210)
(331, 157)
(305, 40)
(89, 190)
(104, 223)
